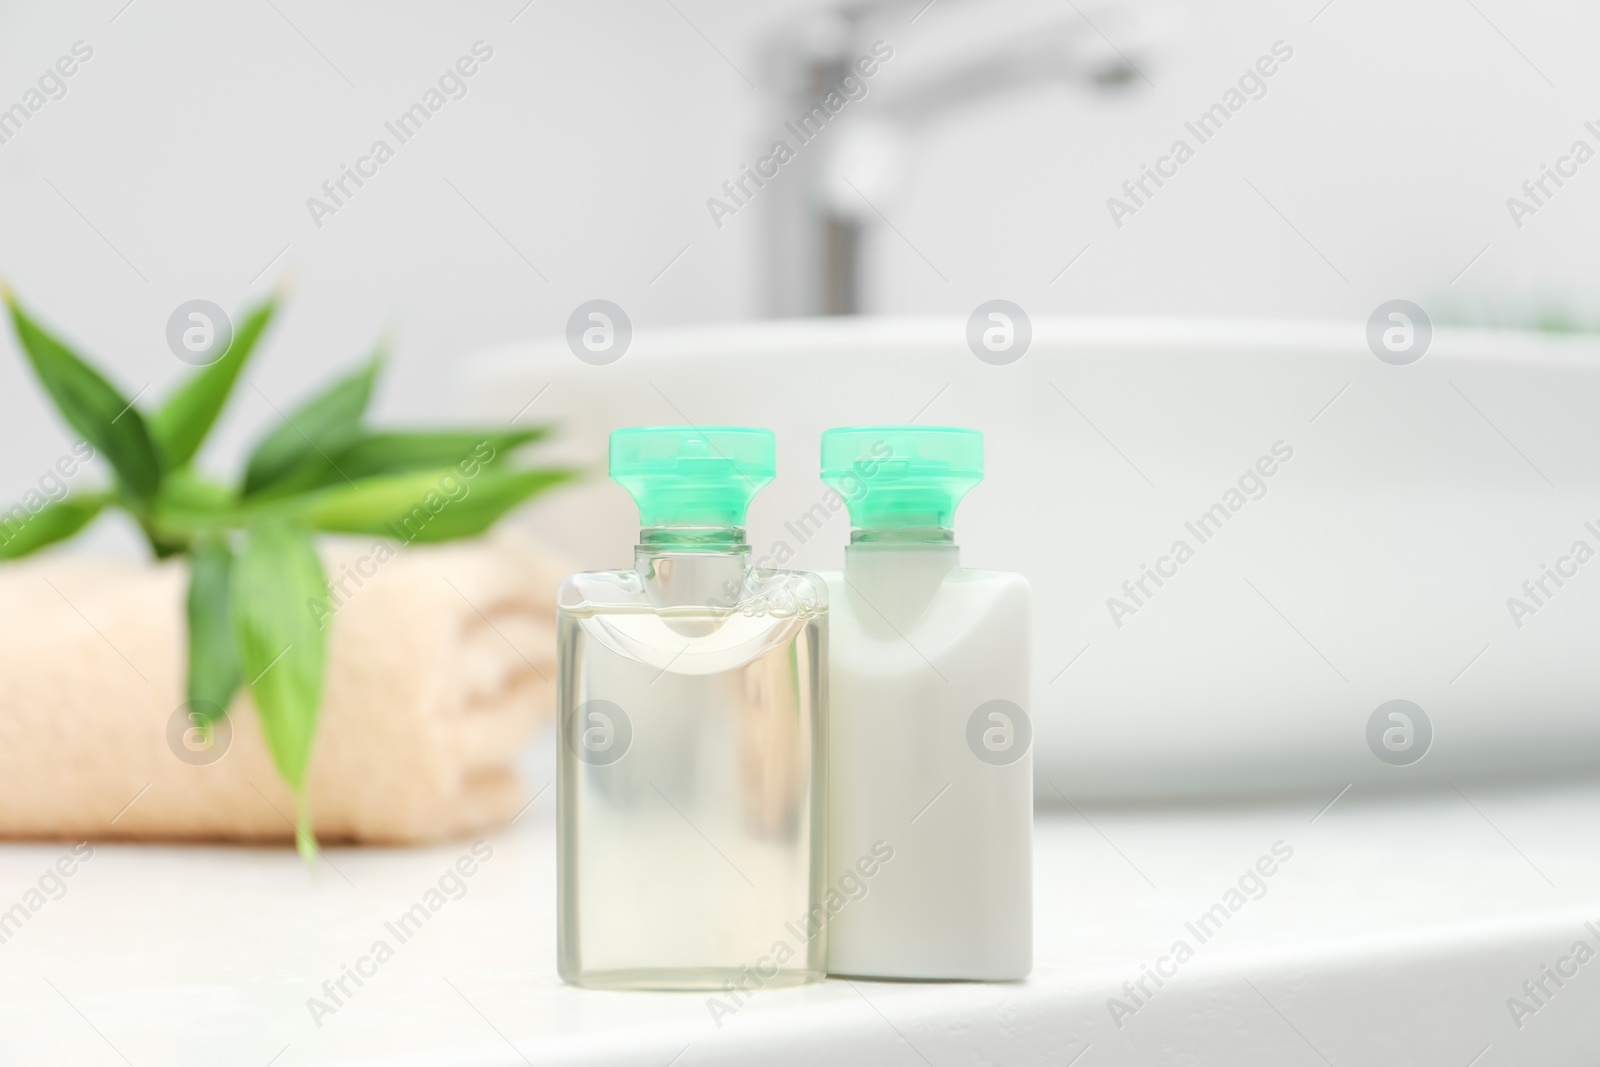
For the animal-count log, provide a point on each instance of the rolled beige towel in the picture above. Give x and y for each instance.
(441, 663)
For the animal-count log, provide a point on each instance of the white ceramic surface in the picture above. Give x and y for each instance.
(1395, 934)
(1377, 566)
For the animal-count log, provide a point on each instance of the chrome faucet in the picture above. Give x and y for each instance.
(819, 209)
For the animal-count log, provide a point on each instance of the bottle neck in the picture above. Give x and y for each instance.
(680, 540)
(692, 566)
(896, 572)
(903, 535)
(927, 550)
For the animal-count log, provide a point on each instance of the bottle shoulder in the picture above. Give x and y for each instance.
(758, 590)
(803, 590)
(1007, 580)
(959, 602)
(1008, 583)
(588, 587)
(1008, 590)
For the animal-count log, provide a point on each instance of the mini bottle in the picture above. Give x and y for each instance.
(691, 776)
(931, 761)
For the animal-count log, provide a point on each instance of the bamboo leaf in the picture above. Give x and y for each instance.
(277, 582)
(190, 505)
(492, 496)
(401, 452)
(92, 406)
(214, 671)
(181, 426)
(426, 506)
(186, 490)
(298, 453)
(23, 531)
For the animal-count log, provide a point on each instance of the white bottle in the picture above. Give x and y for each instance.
(930, 746)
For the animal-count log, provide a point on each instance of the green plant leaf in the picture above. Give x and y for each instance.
(277, 583)
(92, 406)
(492, 496)
(295, 455)
(188, 415)
(214, 672)
(401, 452)
(23, 531)
(190, 505)
(426, 506)
(188, 491)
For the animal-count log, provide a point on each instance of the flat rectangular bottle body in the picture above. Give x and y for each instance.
(931, 754)
(690, 789)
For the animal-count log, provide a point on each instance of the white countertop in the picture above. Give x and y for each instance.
(1394, 934)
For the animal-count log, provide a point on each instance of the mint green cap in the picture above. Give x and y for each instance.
(692, 476)
(902, 475)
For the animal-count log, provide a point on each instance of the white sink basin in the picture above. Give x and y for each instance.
(1376, 564)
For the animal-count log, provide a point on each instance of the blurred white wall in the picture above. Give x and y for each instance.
(179, 161)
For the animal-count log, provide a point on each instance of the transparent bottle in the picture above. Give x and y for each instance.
(931, 761)
(691, 775)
